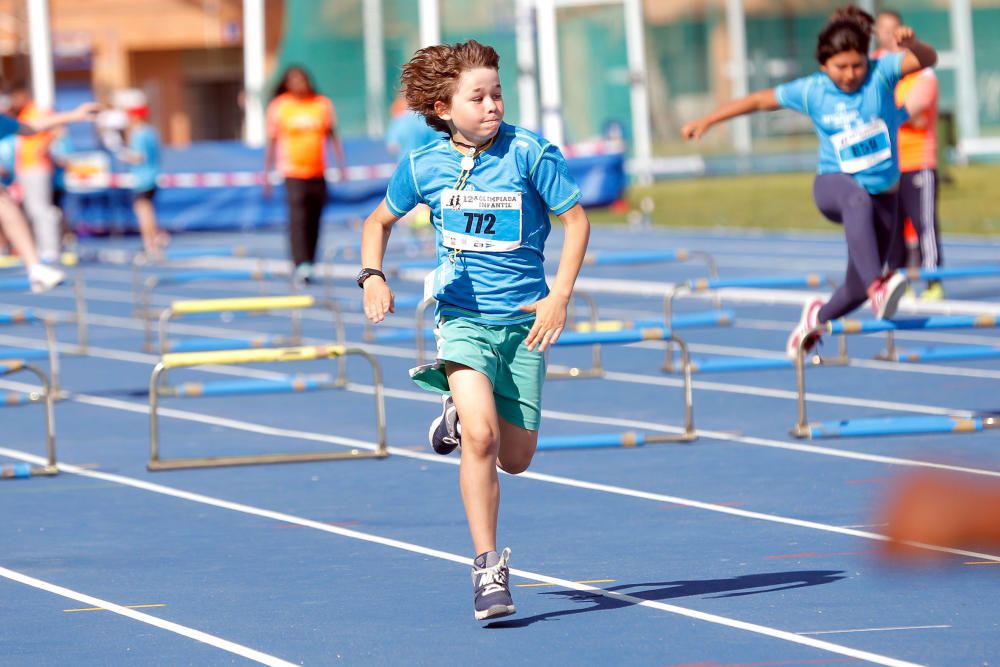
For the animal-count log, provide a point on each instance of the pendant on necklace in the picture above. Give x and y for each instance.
(467, 163)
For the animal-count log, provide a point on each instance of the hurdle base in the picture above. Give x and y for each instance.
(687, 436)
(800, 431)
(260, 459)
(568, 373)
(11, 472)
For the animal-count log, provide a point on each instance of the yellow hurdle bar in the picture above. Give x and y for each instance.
(267, 355)
(244, 304)
(262, 355)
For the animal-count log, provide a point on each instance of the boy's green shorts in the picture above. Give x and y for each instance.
(498, 352)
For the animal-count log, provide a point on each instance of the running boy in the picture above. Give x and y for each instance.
(852, 106)
(490, 187)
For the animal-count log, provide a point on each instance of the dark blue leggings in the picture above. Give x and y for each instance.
(873, 240)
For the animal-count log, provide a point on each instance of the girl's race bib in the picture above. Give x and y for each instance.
(863, 147)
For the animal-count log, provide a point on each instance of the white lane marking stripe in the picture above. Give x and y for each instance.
(454, 558)
(183, 630)
(901, 627)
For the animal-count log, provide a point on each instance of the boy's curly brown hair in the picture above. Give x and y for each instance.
(432, 75)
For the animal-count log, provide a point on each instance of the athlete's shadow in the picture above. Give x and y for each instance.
(749, 584)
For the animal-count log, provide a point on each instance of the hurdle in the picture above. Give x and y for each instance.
(596, 339)
(142, 300)
(702, 285)
(23, 470)
(250, 305)
(953, 272)
(50, 352)
(623, 337)
(269, 355)
(141, 260)
(887, 425)
(943, 353)
(23, 284)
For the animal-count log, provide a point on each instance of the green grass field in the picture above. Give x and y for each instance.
(969, 204)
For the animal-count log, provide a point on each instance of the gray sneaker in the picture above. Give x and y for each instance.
(489, 580)
(445, 434)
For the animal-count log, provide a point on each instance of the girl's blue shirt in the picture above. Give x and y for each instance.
(857, 131)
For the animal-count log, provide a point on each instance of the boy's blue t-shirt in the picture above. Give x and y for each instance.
(144, 141)
(857, 131)
(499, 219)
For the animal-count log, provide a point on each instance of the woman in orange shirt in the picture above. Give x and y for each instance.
(299, 121)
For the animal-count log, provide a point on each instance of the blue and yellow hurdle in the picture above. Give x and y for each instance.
(263, 356)
(882, 426)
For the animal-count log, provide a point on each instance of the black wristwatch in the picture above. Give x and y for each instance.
(365, 274)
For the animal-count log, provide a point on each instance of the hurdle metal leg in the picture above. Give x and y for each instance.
(596, 368)
(50, 468)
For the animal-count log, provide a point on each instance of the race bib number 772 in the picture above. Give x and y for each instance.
(481, 221)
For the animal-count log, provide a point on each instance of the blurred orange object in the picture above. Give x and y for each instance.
(947, 510)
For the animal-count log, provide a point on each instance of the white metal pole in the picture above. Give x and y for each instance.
(43, 87)
(642, 143)
(430, 23)
(253, 72)
(738, 71)
(374, 67)
(527, 72)
(548, 69)
(965, 70)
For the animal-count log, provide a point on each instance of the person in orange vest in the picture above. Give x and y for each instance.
(299, 122)
(918, 95)
(34, 169)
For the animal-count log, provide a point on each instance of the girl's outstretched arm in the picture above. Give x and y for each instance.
(761, 100)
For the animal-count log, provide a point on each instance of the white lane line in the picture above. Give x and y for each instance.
(902, 627)
(183, 630)
(282, 517)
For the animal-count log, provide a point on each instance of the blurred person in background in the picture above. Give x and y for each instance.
(300, 121)
(917, 94)
(851, 105)
(12, 221)
(34, 174)
(142, 154)
(407, 132)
